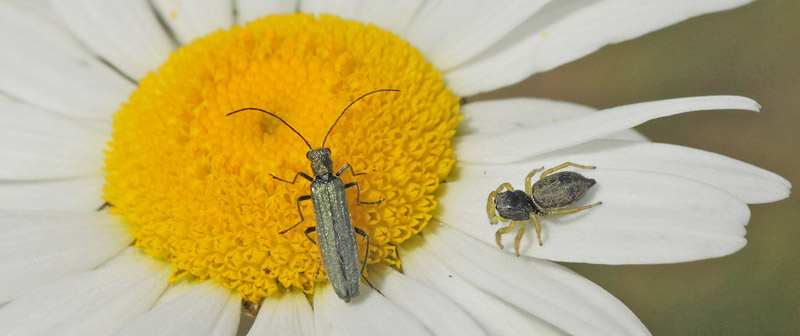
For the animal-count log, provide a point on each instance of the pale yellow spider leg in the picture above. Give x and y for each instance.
(495, 219)
(564, 165)
(528, 180)
(503, 230)
(538, 228)
(519, 237)
(490, 207)
(505, 185)
(569, 211)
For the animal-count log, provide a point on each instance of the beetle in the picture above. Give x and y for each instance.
(549, 196)
(337, 242)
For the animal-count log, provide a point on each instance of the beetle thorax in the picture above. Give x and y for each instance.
(321, 163)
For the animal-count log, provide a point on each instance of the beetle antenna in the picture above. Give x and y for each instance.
(276, 117)
(348, 106)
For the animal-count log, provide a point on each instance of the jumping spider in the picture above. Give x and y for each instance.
(549, 196)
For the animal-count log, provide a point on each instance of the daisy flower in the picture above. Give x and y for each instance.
(125, 102)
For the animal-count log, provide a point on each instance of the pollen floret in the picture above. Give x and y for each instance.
(195, 186)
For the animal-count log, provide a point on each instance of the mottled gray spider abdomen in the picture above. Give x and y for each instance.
(560, 190)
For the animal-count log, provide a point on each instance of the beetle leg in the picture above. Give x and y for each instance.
(569, 211)
(564, 165)
(358, 193)
(316, 275)
(105, 205)
(366, 257)
(528, 179)
(366, 253)
(299, 199)
(309, 230)
(538, 229)
(302, 174)
(319, 266)
(346, 167)
(371, 286)
(490, 206)
(503, 230)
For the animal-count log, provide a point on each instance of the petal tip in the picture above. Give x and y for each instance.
(740, 103)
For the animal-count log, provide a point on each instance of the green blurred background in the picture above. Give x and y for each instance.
(752, 51)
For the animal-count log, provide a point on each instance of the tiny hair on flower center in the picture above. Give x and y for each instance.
(196, 186)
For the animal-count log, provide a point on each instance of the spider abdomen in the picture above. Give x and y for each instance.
(560, 190)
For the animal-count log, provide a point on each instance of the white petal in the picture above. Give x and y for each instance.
(249, 10)
(367, 314)
(44, 66)
(491, 117)
(176, 289)
(37, 249)
(450, 32)
(343, 8)
(394, 16)
(495, 316)
(35, 144)
(628, 134)
(284, 314)
(126, 33)
(441, 315)
(565, 31)
(227, 323)
(745, 181)
(544, 289)
(38, 7)
(73, 195)
(522, 143)
(391, 15)
(191, 19)
(192, 313)
(645, 218)
(500, 116)
(92, 303)
(102, 126)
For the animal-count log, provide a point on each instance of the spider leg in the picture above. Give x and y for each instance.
(519, 237)
(490, 206)
(493, 217)
(538, 228)
(528, 179)
(503, 230)
(569, 211)
(564, 165)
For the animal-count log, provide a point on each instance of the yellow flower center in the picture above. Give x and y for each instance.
(195, 185)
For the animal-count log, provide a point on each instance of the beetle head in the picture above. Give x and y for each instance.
(321, 163)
